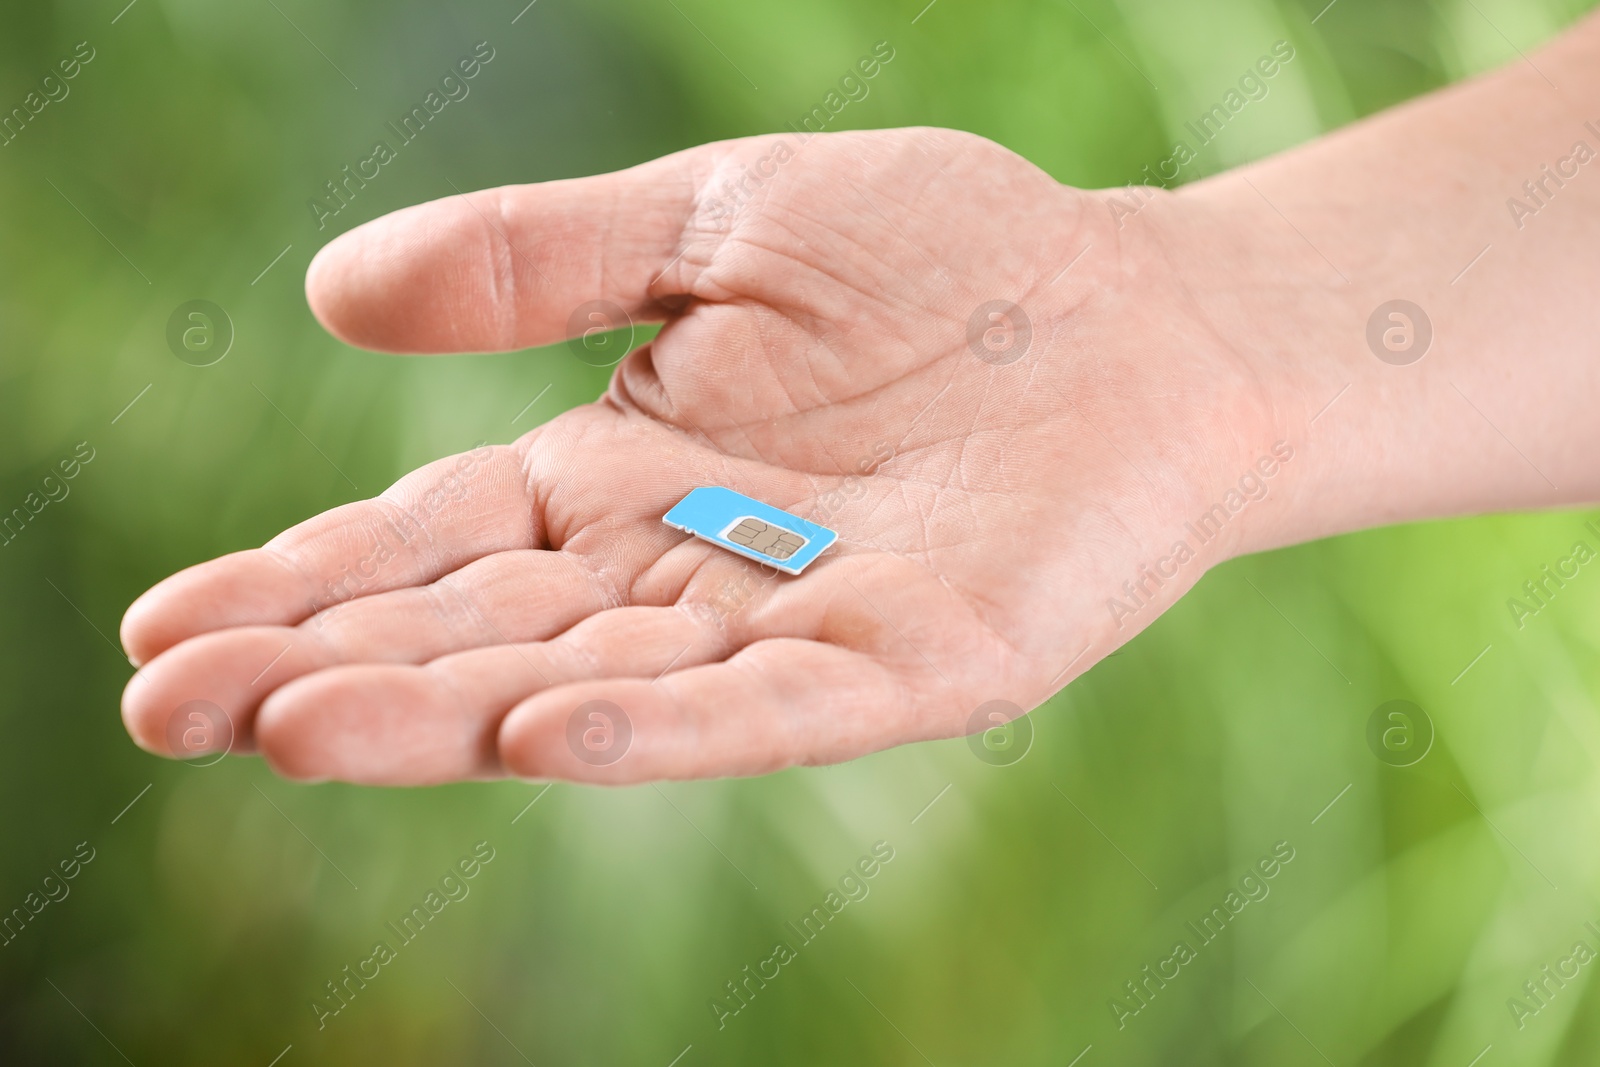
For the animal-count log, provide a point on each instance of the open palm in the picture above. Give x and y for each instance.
(913, 337)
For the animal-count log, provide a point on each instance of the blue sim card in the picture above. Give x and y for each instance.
(752, 529)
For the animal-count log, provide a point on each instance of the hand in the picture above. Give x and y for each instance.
(992, 491)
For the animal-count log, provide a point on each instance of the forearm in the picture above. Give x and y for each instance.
(1420, 203)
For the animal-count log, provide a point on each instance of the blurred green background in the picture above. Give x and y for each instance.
(1019, 903)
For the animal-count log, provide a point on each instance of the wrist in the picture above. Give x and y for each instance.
(1426, 347)
(1253, 285)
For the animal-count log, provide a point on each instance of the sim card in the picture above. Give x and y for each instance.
(752, 529)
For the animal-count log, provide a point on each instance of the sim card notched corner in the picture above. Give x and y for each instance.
(750, 528)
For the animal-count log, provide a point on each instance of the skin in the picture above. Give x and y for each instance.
(822, 323)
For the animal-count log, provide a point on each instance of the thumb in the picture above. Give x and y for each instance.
(507, 268)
